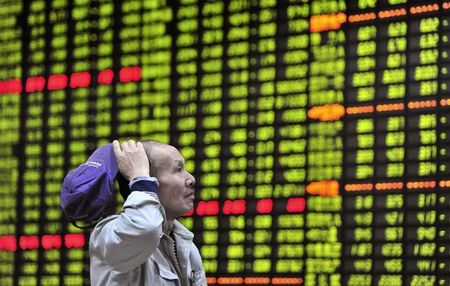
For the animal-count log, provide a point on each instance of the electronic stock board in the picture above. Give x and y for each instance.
(318, 132)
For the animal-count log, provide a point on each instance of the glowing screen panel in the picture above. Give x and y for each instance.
(317, 131)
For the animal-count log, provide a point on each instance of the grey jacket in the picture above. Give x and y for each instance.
(131, 248)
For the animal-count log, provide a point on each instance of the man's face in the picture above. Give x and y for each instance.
(176, 185)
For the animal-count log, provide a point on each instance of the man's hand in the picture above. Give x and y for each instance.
(131, 159)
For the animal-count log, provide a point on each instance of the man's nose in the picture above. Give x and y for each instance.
(190, 181)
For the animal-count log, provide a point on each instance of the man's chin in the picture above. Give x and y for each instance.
(190, 204)
(185, 209)
(189, 207)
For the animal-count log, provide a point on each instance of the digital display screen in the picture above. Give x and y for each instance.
(318, 132)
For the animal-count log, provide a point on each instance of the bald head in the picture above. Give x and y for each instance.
(157, 154)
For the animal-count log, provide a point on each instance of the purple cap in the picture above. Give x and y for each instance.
(87, 191)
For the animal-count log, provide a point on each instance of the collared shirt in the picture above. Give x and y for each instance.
(131, 248)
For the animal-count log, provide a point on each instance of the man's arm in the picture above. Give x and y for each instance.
(127, 240)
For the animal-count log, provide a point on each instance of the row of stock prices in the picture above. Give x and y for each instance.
(318, 132)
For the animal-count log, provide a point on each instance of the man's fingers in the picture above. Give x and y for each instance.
(129, 146)
(125, 146)
(140, 146)
(116, 148)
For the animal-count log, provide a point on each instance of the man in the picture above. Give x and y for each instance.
(145, 244)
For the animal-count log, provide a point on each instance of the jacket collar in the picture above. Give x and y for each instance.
(181, 230)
